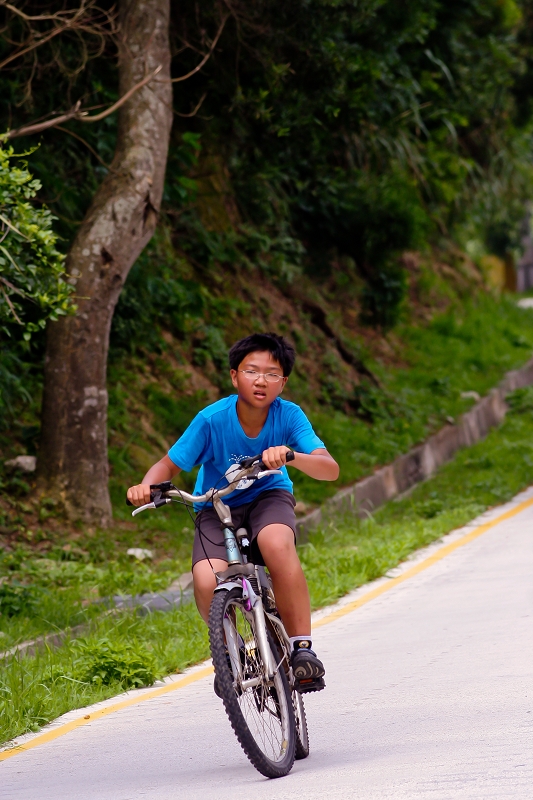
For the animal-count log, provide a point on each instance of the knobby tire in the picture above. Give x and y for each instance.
(225, 605)
(302, 733)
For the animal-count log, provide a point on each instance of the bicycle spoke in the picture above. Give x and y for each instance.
(260, 710)
(260, 707)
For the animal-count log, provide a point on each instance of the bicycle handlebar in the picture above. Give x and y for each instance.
(162, 493)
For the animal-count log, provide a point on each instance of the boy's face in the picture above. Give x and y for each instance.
(256, 389)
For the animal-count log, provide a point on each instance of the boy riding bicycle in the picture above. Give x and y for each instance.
(252, 421)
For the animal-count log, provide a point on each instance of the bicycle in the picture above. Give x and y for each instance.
(249, 645)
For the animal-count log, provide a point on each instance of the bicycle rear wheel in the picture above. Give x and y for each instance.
(260, 709)
(302, 733)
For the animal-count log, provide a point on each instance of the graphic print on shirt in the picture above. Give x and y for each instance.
(233, 468)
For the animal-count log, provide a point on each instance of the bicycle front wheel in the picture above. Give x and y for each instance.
(259, 708)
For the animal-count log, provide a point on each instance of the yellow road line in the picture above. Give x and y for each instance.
(49, 736)
(438, 555)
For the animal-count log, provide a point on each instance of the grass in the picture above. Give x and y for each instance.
(43, 594)
(469, 348)
(121, 651)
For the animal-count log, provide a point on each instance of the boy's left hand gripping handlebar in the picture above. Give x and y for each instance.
(247, 462)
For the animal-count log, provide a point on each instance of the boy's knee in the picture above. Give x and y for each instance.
(203, 576)
(276, 542)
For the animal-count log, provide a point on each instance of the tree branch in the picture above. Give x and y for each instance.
(75, 113)
(83, 116)
(206, 57)
(87, 20)
(10, 304)
(65, 21)
(87, 145)
(123, 99)
(14, 288)
(196, 108)
(10, 225)
(39, 17)
(37, 127)
(33, 45)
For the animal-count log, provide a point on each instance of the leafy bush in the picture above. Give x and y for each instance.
(371, 219)
(13, 384)
(32, 285)
(105, 662)
(428, 509)
(521, 400)
(17, 599)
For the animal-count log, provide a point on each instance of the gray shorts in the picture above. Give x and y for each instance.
(269, 508)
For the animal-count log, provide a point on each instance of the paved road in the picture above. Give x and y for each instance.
(429, 696)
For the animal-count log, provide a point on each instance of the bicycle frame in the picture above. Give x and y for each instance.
(238, 572)
(260, 695)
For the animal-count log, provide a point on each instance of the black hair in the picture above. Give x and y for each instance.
(278, 347)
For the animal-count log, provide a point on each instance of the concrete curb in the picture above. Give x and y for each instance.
(423, 460)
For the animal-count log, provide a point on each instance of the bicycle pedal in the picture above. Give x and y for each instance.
(310, 685)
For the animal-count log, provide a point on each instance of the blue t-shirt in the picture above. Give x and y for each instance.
(216, 440)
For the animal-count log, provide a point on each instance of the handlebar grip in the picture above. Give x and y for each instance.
(156, 490)
(247, 462)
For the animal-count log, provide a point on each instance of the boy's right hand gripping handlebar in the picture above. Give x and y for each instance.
(156, 492)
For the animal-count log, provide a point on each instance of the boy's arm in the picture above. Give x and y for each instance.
(163, 470)
(317, 464)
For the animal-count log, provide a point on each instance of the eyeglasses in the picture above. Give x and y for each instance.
(270, 377)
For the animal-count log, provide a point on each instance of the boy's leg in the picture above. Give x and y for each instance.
(276, 543)
(204, 583)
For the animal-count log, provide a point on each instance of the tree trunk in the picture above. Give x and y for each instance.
(73, 461)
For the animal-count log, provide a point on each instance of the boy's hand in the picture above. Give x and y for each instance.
(139, 495)
(164, 470)
(275, 457)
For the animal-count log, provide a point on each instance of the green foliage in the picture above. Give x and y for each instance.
(521, 401)
(364, 125)
(372, 220)
(429, 508)
(65, 588)
(17, 598)
(122, 651)
(105, 662)
(175, 413)
(13, 384)
(32, 285)
(470, 347)
(358, 128)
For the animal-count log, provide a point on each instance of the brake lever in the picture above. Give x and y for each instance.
(269, 472)
(156, 503)
(142, 508)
